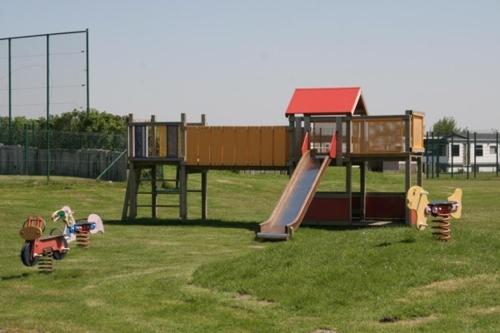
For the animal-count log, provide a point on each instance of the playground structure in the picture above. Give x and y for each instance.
(441, 211)
(326, 127)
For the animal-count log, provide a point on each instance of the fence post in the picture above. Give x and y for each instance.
(427, 155)
(496, 149)
(26, 149)
(475, 160)
(432, 154)
(468, 154)
(451, 153)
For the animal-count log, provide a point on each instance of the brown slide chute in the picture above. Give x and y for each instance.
(295, 200)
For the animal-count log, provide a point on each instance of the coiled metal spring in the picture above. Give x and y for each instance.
(441, 227)
(83, 239)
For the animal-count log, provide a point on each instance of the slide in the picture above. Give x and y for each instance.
(292, 206)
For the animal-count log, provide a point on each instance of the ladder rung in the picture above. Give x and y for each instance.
(158, 179)
(168, 191)
(194, 191)
(159, 206)
(144, 193)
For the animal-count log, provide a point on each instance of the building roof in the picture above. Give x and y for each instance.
(462, 136)
(327, 101)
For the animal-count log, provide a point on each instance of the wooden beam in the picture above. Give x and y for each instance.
(126, 201)
(407, 185)
(340, 156)
(134, 174)
(130, 130)
(204, 195)
(183, 192)
(348, 188)
(153, 192)
(419, 170)
(362, 189)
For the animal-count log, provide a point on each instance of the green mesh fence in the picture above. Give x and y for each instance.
(24, 152)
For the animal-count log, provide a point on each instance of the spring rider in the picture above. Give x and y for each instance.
(441, 211)
(78, 230)
(38, 249)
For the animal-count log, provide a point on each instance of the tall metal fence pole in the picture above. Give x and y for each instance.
(432, 154)
(451, 153)
(468, 154)
(496, 166)
(26, 147)
(48, 109)
(88, 71)
(438, 155)
(427, 155)
(10, 86)
(475, 154)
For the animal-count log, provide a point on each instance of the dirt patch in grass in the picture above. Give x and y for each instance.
(485, 311)
(250, 298)
(451, 285)
(324, 330)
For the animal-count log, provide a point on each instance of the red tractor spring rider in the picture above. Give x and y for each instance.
(41, 250)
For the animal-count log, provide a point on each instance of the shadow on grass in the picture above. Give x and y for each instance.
(250, 225)
(14, 277)
(408, 240)
(354, 227)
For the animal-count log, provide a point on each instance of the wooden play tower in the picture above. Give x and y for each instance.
(317, 117)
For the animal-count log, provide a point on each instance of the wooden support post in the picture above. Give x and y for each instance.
(297, 140)
(182, 191)
(204, 195)
(291, 143)
(348, 188)
(152, 128)
(126, 201)
(408, 160)
(203, 119)
(419, 171)
(340, 156)
(362, 189)
(134, 174)
(153, 191)
(407, 185)
(307, 123)
(131, 142)
(182, 137)
(348, 138)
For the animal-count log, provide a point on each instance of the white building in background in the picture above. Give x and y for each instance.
(453, 152)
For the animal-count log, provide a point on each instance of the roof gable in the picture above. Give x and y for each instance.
(327, 101)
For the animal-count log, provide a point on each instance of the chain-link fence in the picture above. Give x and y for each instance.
(465, 153)
(30, 151)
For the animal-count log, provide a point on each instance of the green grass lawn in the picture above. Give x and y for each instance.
(169, 276)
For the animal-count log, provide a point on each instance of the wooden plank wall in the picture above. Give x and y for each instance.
(251, 146)
(417, 132)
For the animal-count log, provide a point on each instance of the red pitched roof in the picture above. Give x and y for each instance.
(326, 101)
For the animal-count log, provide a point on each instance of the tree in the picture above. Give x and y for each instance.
(445, 126)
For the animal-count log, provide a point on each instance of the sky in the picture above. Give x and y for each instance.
(240, 61)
